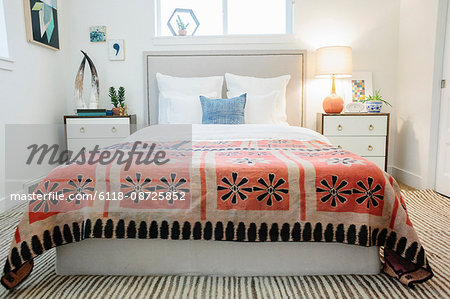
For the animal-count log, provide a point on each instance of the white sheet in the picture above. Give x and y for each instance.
(225, 132)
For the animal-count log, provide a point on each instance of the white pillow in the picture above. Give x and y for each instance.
(237, 85)
(189, 88)
(184, 109)
(262, 109)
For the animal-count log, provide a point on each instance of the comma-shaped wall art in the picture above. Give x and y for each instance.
(116, 48)
(95, 91)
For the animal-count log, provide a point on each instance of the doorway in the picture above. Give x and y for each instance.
(443, 153)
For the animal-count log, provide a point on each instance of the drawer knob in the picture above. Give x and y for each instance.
(82, 130)
(370, 148)
(339, 128)
(113, 129)
(371, 127)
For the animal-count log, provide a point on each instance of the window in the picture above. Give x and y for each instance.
(4, 53)
(222, 17)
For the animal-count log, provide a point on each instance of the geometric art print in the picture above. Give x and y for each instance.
(358, 90)
(97, 34)
(41, 18)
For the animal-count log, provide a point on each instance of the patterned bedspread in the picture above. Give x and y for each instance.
(245, 191)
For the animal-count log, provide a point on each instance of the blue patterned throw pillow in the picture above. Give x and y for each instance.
(224, 111)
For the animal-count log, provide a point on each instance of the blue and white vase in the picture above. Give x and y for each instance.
(374, 106)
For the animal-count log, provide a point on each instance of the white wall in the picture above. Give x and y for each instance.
(420, 43)
(33, 92)
(4, 51)
(40, 88)
(129, 20)
(370, 27)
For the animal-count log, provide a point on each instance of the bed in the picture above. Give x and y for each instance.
(229, 258)
(279, 200)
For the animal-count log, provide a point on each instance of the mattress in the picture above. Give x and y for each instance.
(244, 183)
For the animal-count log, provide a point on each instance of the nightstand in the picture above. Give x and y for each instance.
(364, 134)
(89, 131)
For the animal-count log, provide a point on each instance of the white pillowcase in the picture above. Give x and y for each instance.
(177, 90)
(262, 109)
(237, 85)
(184, 109)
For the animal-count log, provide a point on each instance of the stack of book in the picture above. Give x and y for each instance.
(91, 112)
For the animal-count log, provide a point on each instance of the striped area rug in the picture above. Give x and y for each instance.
(429, 211)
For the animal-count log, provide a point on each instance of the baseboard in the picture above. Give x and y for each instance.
(6, 203)
(389, 169)
(407, 177)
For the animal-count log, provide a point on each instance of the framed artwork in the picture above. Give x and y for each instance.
(41, 21)
(361, 86)
(97, 34)
(183, 22)
(116, 48)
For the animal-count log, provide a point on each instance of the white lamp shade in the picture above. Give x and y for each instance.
(335, 61)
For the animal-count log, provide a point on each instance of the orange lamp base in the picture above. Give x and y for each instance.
(333, 104)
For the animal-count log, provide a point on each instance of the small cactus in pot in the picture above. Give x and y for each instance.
(181, 27)
(117, 100)
(114, 100)
(121, 99)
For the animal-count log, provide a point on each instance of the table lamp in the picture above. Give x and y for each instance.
(334, 62)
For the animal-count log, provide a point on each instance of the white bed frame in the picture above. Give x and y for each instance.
(193, 257)
(163, 257)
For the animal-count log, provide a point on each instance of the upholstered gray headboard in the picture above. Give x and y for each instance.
(264, 64)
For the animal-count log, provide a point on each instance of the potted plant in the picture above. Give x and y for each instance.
(374, 102)
(121, 99)
(114, 100)
(181, 27)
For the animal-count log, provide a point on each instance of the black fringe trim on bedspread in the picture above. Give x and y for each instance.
(219, 231)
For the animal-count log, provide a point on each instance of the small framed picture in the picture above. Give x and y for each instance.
(361, 84)
(116, 48)
(97, 34)
(356, 88)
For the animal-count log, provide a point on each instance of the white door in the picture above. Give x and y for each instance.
(443, 158)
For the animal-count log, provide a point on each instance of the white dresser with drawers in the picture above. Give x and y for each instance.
(89, 131)
(364, 134)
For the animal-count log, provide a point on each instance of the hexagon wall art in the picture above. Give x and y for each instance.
(182, 22)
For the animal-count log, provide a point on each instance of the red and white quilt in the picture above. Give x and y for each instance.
(239, 190)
